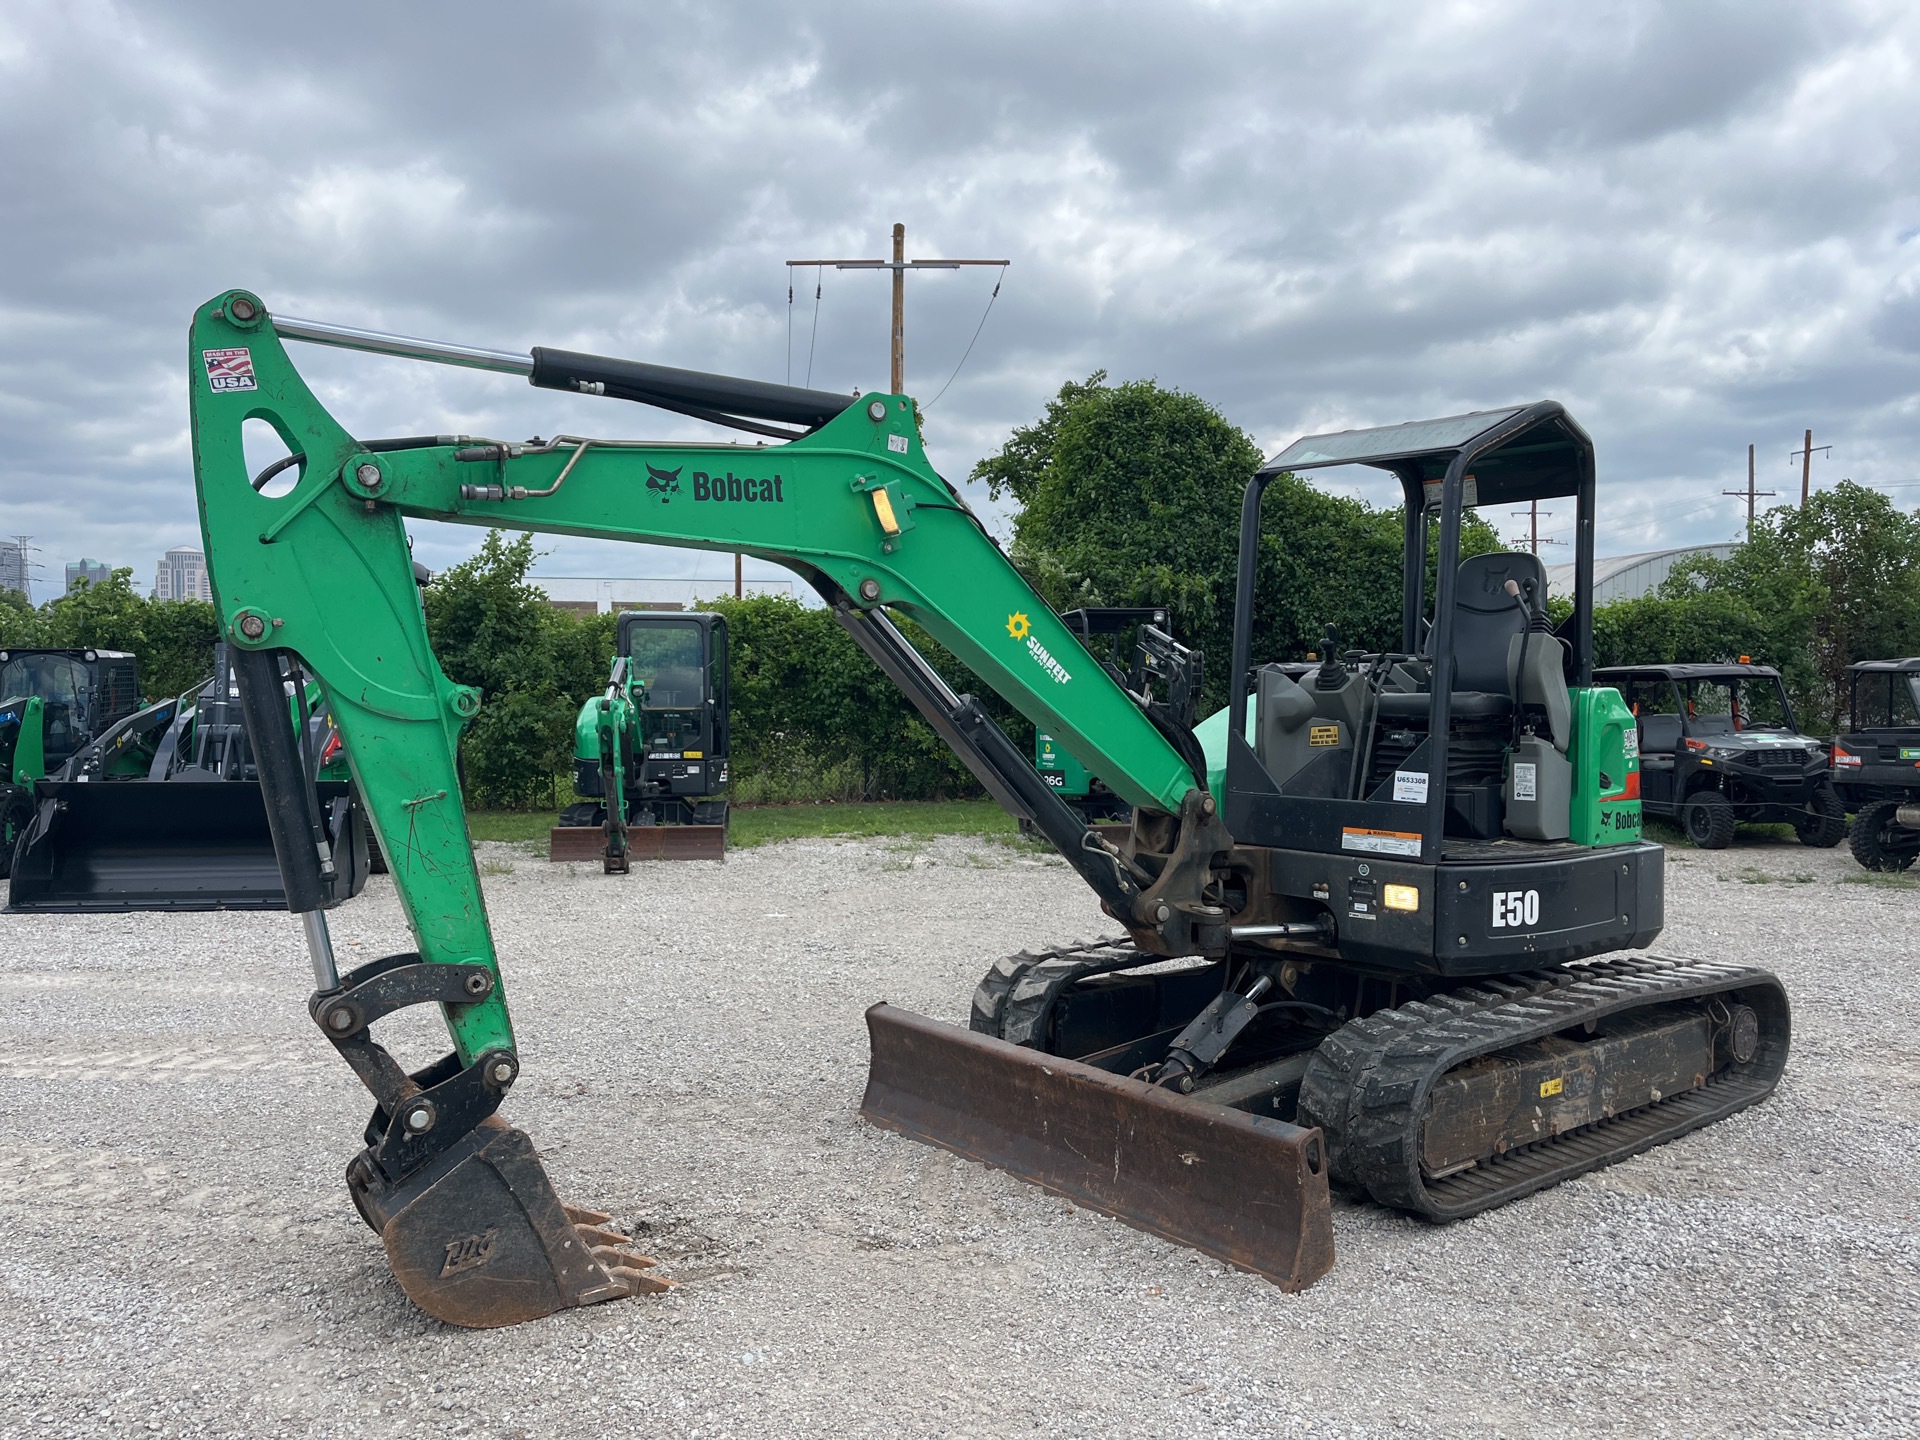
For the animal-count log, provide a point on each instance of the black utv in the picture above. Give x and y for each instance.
(1719, 748)
(1876, 763)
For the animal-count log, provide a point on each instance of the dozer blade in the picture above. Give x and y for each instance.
(644, 842)
(1246, 1190)
(148, 845)
(478, 1238)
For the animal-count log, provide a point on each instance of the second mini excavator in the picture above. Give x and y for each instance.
(651, 753)
(1371, 957)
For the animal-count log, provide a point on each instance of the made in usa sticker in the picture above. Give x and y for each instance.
(229, 369)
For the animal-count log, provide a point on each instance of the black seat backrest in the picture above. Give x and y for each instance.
(1485, 617)
(1659, 734)
(676, 687)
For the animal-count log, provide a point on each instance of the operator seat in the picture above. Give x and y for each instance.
(676, 687)
(1486, 620)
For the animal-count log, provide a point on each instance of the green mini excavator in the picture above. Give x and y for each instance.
(1365, 924)
(651, 752)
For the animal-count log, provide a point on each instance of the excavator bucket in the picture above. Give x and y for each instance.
(1245, 1189)
(155, 845)
(478, 1238)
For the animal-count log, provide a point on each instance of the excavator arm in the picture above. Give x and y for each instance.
(322, 575)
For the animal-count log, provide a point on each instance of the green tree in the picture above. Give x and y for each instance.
(1813, 589)
(493, 629)
(1131, 495)
(814, 718)
(177, 652)
(107, 616)
(20, 622)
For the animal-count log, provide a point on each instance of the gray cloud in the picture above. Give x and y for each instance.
(1694, 224)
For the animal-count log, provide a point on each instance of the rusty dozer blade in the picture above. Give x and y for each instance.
(478, 1238)
(1247, 1190)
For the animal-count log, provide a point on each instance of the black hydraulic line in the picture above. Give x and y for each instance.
(376, 447)
(671, 389)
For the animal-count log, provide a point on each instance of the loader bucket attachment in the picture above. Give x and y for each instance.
(478, 1238)
(1244, 1189)
(105, 845)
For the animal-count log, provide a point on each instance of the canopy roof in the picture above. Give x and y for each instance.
(1519, 452)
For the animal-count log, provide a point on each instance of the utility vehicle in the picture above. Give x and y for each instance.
(1719, 748)
(1876, 763)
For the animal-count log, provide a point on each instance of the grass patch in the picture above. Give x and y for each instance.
(1882, 880)
(1669, 834)
(1750, 876)
(764, 824)
(511, 825)
(909, 819)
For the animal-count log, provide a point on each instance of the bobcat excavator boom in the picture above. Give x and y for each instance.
(320, 577)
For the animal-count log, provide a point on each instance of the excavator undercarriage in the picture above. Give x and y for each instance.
(1364, 911)
(1444, 1103)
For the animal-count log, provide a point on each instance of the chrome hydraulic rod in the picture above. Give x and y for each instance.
(326, 976)
(378, 342)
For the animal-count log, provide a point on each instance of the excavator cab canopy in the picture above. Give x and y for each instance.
(1407, 756)
(1515, 455)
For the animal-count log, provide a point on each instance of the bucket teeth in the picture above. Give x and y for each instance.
(478, 1238)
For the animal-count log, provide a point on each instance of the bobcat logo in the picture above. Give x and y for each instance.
(469, 1252)
(664, 483)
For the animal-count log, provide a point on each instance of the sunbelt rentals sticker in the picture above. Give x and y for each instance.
(1019, 627)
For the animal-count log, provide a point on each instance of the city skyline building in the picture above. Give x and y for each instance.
(182, 575)
(94, 572)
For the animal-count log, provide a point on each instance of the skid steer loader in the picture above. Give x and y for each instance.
(161, 810)
(1372, 955)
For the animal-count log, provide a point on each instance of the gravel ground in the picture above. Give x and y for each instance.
(181, 1258)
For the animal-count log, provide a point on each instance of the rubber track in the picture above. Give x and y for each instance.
(1016, 998)
(1368, 1083)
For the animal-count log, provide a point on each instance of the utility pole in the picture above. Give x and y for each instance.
(1751, 493)
(736, 575)
(1534, 539)
(899, 265)
(1805, 454)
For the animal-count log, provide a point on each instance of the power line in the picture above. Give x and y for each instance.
(1752, 493)
(899, 266)
(1805, 456)
(811, 339)
(976, 336)
(1536, 540)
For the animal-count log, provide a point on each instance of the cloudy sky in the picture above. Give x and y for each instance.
(1697, 224)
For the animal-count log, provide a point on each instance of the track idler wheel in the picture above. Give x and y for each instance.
(478, 1237)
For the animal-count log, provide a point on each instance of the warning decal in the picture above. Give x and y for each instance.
(1380, 842)
(1322, 735)
(229, 369)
